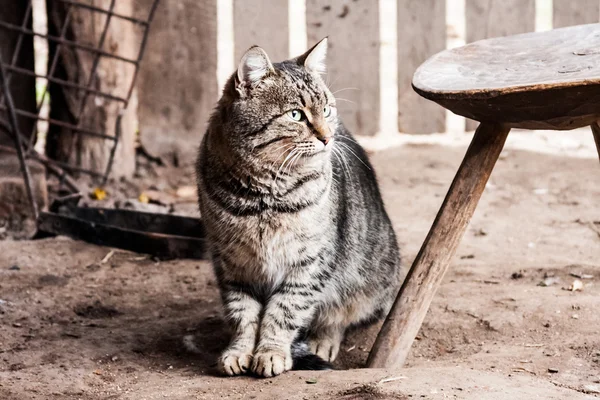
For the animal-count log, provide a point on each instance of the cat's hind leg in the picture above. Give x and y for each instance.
(325, 340)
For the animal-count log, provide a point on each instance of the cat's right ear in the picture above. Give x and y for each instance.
(254, 66)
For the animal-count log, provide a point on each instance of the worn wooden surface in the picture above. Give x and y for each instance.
(548, 80)
(494, 18)
(177, 85)
(353, 57)
(425, 276)
(575, 12)
(22, 87)
(263, 23)
(415, 17)
(111, 76)
(596, 133)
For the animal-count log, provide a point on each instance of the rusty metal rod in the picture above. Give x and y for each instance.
(66, 42)
(142, 50)
(70, 167)
(56, 170)
(62, 124)
(16, 136)
(103, 11)
(62, 82)
(91, 78)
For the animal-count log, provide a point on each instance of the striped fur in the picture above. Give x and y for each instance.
(301, 244)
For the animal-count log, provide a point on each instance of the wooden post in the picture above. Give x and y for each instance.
(353, 57)
(421, 34)
(596, 133)
(493, 18)
(580, 12)
(263, 23)
(425, 276)
(107, 75)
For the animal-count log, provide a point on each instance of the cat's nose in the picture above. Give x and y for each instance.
(324, 139)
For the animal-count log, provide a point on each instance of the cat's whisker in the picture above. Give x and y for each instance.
(344, 145)
(341, 90)
(346, 138)
(289, 156)
(286, 148)
(346, 100)
(294, 160)
(339, 156)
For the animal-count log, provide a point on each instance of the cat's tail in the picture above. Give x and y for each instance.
(303, 359)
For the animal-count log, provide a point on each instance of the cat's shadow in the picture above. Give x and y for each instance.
(197, 347)
(193, 347)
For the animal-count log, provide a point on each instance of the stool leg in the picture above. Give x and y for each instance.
(425, 276)
(596, 132)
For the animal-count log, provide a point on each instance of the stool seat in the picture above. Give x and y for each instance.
(547, 80)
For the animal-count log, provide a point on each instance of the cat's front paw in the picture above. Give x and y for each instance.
(271, 362)
(325, 348)
(235, 362)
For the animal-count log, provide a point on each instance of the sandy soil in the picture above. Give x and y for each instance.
(74, 327)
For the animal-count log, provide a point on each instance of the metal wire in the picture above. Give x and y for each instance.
(24, 144)
(16, 135)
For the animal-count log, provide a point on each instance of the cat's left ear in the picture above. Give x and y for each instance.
(315, 58)
(253, 67)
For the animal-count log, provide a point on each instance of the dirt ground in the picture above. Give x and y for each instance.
(75, 327)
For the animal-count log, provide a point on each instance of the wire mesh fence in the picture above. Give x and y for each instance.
(63, 44)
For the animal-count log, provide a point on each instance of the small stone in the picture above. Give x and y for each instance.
(553, 370)
(15, 268)
(517, 275)
(17, 325)
(311, 381)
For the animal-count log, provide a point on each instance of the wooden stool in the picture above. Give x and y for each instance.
(548, 80)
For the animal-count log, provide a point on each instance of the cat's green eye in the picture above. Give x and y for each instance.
(326, 111)
(296, 115)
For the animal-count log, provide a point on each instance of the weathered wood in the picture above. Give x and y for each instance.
(421, 34)
(263, 23)
(353, 57)
(596, 133)
(111, 76)
(510, 80)
(22, 87)
(579, 12)
(494, 18)
(425, 276)
(177, 85)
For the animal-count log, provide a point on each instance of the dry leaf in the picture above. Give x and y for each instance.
(98, 194)
(143, 198)
(186, 192)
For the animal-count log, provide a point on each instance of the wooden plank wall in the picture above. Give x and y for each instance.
(353, 59)
(263, 23)
(575, 12)
(493, 18)
(421, 34)
(177, 84)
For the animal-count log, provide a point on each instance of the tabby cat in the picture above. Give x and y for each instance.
(301, 244)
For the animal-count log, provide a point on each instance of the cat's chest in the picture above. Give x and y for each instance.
(269, 246)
